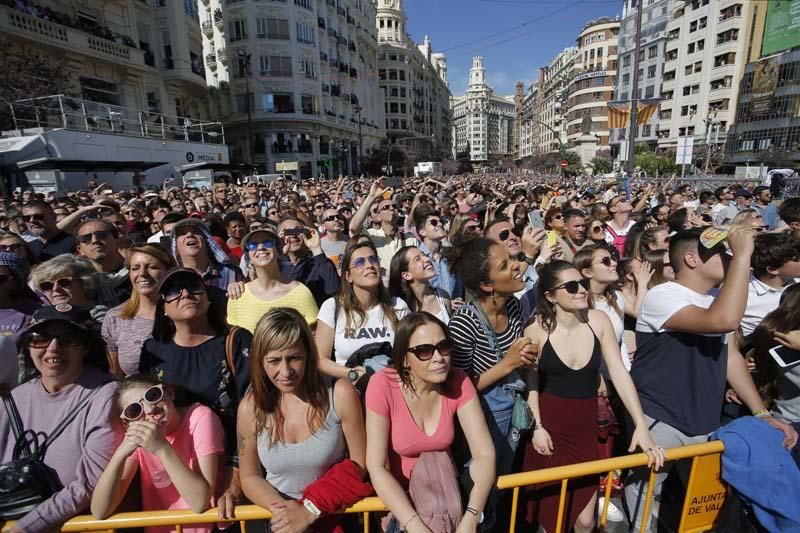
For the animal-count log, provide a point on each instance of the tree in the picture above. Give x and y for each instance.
(575, 165)
(601, 165)
(27, 74)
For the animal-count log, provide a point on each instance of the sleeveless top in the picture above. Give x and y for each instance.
(442, 315)
(558, 379)
(291, 467)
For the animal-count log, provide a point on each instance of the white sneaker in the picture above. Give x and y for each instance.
(614, 512)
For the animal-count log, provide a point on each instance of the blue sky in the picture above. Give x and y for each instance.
(510, 54)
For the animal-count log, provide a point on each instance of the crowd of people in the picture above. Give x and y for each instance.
(301, 346)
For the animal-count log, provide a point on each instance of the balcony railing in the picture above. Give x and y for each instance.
(208, 28)
(19, 24)
(222, 55)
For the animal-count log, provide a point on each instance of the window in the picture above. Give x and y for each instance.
(651, 72)
(626, 79)
(308, 68)
(652, 52)
(272, 28)
(305, 33)
(309, 104)
(650, 91)
(626, 61)
(402, 75)
(238, 30)
(241, 102)
(305, 3)
(276, 66)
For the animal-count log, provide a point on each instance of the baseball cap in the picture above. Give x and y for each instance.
(175, 273)
(191, 221)
(251, 234)
(743, 193)
(76, 316)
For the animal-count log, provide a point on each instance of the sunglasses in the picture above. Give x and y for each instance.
(504, 235)
(424, 352)
(10, 247)
(434, 222)
(598, 229)
(86, 238)
(252, 246)
(248, 206)
(332, 218)
(388, 207)
(320, 206)
(37, 217)
(474, 228)
(66, 339)
(134, 213)
(607, 261)
(63, 283)
(272, 213)
(187, 230)
(361, 262)
(572, 287)
(170, 294)
(135, 410)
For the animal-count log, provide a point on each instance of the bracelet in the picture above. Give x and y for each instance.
(413, 516)
(473, 511)
(538, 426)
(761, 413)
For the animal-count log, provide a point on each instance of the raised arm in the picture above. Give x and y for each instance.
(357, 222)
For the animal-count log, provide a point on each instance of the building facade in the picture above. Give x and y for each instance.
(144, 55)
(294, 81)
(483, 122)
(767, 123)
(553, 86)
(655, 17)
(706, 50)
(414, 88)
(594, 77)
(529, 125)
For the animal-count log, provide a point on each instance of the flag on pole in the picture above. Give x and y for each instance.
(618, 114)
(645, 110)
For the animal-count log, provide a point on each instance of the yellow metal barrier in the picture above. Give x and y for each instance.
(705, 495)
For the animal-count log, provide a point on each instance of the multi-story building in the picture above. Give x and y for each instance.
(553, 84)
(594, 76)
(655, 16)
(413, 81)
(142, 55)
(767, 125)
(704, 61)
(295, 81)
(483, 122)
(529, 127)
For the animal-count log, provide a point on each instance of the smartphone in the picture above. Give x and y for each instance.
(552, 238)
(535, 220)
(393, 182)
(166, 242)
(295, 231)
(785, 357)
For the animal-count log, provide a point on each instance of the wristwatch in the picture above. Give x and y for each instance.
(353, 375)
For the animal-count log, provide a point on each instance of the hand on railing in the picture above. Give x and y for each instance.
(643, 440)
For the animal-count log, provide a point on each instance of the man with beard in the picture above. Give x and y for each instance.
(304, 261)
(50, 240)
(575, 239)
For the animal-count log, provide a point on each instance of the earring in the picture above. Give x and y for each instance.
(494, 293)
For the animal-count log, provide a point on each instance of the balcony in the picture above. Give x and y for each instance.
(21, 25)
(211, 61)
(341, 12)
(208, 28)
(222, 55)
(321, 22)
(219, 20)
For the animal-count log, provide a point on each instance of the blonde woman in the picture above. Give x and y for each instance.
(126, 327)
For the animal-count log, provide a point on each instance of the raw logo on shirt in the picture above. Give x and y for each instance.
(366, 333)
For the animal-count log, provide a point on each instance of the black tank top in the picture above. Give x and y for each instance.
(560, 380)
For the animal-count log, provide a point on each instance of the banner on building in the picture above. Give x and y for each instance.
(645, 110)
(782, 26)
(765, 81)
(618, 115)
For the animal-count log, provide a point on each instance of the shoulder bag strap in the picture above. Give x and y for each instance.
(59, 429)
(229, 349)
(13, 415)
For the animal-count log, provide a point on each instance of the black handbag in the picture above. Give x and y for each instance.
(27, 481)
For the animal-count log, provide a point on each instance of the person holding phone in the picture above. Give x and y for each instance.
(777, 355)
(303, 260)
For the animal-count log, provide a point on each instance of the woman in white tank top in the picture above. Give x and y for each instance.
(295, 426)
(409, 279)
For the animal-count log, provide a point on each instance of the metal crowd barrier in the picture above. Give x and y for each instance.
(705, 494)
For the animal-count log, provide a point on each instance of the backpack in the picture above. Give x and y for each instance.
(618, 241)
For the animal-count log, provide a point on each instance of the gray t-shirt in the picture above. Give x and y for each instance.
(787, 406)
(79, 455)
(332, 248)
(126, 337)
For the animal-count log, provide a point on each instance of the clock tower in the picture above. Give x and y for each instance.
(391, 21)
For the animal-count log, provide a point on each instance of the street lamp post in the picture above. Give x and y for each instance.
(397, 141)
(358, 110)
(244, 63)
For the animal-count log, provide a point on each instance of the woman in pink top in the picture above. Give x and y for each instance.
(177, 450)
(411, 408)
